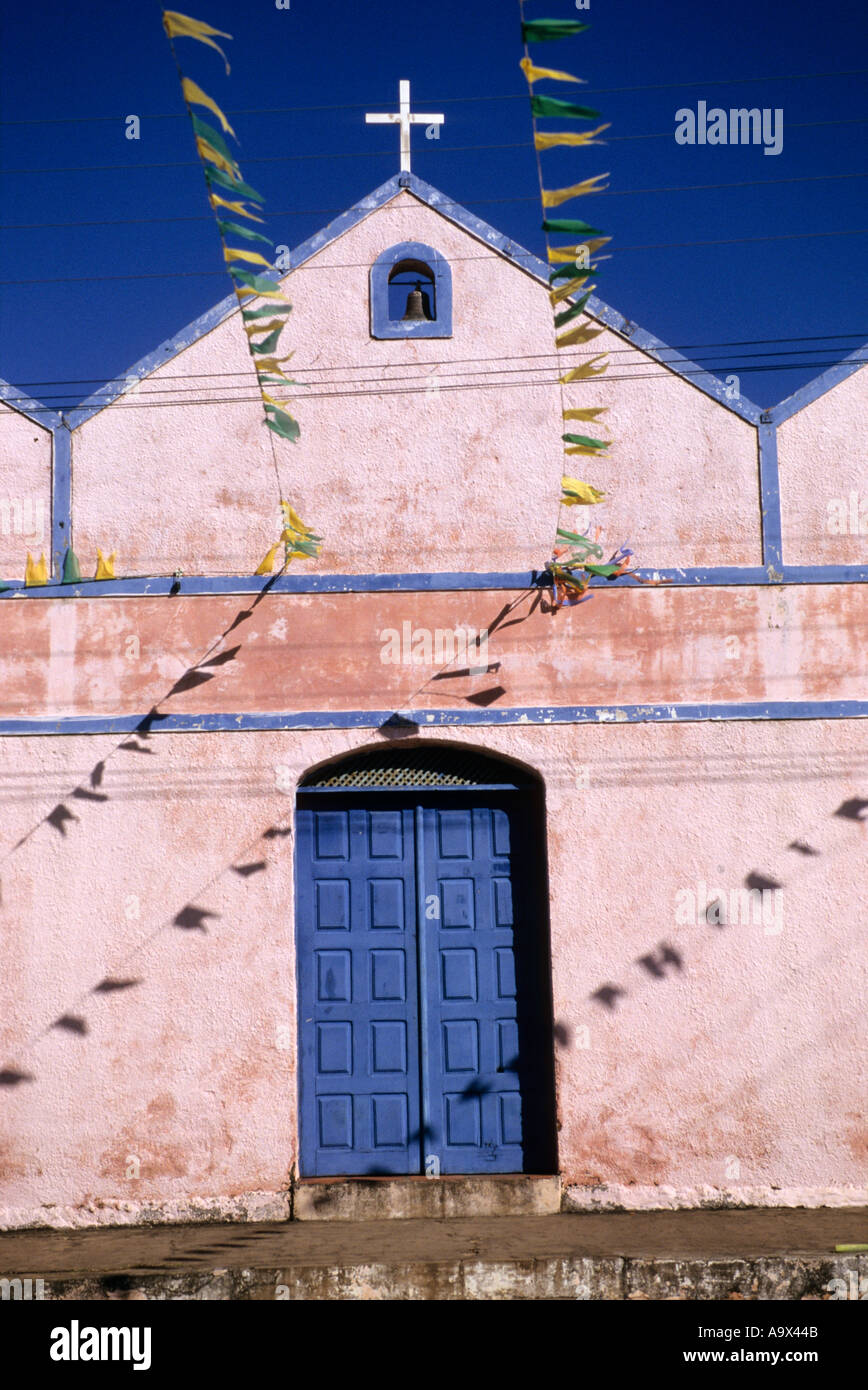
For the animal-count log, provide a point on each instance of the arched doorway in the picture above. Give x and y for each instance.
(423, 966)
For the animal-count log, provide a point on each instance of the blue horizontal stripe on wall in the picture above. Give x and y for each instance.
(434, 583)
(443, 718)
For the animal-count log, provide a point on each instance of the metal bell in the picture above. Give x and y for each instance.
(416, 306)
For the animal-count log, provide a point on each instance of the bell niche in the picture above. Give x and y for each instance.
(411, 293)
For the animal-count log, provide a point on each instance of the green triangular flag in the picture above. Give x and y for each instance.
(540, 30)
(553, 106)
(71, 568)
(267, 312)
(215, 175)
(573, 311)
(215, 140)
(571, 271)
(282, 424)
(563, 224)
(587, 441)
(267, 345)
(256, 282)
(235, 229)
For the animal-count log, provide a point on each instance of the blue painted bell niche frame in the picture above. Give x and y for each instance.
(411, 293)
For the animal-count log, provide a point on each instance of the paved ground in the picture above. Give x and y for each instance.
(664, 1235)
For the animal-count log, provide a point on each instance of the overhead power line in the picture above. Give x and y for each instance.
(355, 265)
(522, 198)
(428, 364)
(232, 381)
(433, 145)
(135, 402)
(445, 101)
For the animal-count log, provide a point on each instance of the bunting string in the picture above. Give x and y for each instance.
(575, 557)
(262, 326)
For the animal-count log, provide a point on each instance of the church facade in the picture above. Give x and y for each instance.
(388, 866)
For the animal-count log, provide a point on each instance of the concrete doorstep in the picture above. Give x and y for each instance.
(760, 1253)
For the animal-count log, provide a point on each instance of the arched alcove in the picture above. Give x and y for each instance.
(405, 277)
(398, 269)
(426, 764)
(423, 961)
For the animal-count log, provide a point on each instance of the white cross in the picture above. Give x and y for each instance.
(403, 118)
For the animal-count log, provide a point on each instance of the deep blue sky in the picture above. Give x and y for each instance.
(71, 73)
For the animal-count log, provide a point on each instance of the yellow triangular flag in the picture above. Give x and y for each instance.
(197, 97)
(293, 520)
(562, 255)
(578, 373)
(181, 26)
(215, 157)
(546, 140)
(243, 291)
(270, 364)
(105, 568)
(237, 208)
(554, 197)
(251, 328)
(566, 291)
(577, 335)
(268, 563)
(583, 449)
(36, 572)
(579, 494)
(534, 74)
(589, 412)
(234, 253)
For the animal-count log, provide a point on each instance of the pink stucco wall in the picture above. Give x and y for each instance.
(326, 651)
(824, 478)
(25, 492)
(461, 471)
(742, 1073)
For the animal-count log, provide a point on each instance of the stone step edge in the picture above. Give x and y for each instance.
(785, 1277)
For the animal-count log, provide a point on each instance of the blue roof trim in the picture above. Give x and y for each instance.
(705, 381)
(149, 586)
(646, 342)
(453, 212)
(697, 376)
(25, 405)
(120, 384)
(444, 718)
(226, 307)
(349, 219)
(812, 390)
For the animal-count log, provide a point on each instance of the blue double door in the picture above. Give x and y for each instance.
(421, 979)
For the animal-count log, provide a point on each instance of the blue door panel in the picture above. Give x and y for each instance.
(419, 997)
(358, 991)
(472, 1103)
